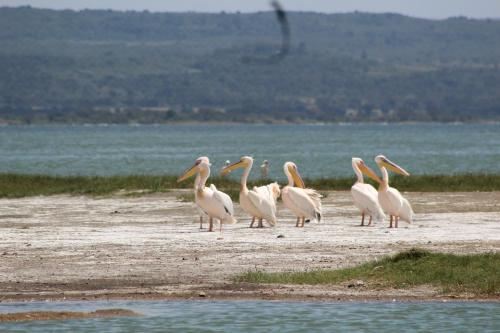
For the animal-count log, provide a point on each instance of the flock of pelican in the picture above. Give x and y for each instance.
(260, 201)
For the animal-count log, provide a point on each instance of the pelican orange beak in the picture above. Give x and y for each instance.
(369, 172)
(189, 173)
(394, 167)
(297, 180)
(231, 167)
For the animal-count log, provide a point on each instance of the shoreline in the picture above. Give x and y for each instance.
(277, 123)
(68, 247)
(246, 292)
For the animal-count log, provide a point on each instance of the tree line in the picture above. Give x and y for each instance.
(108, 66)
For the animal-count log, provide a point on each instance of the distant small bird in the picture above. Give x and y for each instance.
(225, 165)
(264, 169)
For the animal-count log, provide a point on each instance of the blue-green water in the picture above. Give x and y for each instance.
(319, 150)
(261, 316)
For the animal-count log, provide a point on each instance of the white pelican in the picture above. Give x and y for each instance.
(365, 196)
(389, 198)
(303, 202)
(214, 203)
(260, 202)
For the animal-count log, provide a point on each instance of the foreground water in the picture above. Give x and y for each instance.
(319, 150)
(260, 316)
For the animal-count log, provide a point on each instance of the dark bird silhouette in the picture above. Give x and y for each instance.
(285, 39)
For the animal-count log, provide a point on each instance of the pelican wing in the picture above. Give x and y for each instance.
(306, 200)
(370, 189)
(263, 191)
(315, 197)
(264, 203)
(225, 200)
(406, 213)
(365, 197)
(394, 201)
(271, 190)
(274, 190)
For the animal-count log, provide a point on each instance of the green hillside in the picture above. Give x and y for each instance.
(107, 66)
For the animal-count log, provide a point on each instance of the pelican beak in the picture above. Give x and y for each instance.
(394, 167)
(188, 173)
(297, 180)
(369, 172)
(231, 167)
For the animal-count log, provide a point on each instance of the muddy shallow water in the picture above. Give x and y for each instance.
(74, 246)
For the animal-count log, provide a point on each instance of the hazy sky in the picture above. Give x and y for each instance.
(419, 8)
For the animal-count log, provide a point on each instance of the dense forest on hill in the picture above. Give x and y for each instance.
(108, 66)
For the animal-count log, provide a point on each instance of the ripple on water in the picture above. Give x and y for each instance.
(266, 316)
(319, 151)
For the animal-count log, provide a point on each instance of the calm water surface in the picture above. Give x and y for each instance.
(265, 316)
(319, 150)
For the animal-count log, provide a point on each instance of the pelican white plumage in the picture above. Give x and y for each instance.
(390, 199)
(260, 202)
(214, 203)
(365, 196)
(303, 202)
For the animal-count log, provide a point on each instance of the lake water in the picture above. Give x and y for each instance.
(268, 316)
(318, 150)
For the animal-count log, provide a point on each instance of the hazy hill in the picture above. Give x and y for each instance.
(106, 66)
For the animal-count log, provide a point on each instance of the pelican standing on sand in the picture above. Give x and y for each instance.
(391, 201)
(260, 202)
(303, 202)
(365, 196)
(214, 203)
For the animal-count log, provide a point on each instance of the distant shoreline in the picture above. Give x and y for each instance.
(277, 123)
(121, 67)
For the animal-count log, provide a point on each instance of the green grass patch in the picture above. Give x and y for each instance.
(420, 183)
(15, 185)
(21, 185)
(478, 274)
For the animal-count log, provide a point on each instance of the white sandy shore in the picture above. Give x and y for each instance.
(65, 244)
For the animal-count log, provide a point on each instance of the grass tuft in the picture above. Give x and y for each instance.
(412, 254)
(478, 274)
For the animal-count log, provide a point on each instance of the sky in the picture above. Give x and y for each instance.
(434, 9)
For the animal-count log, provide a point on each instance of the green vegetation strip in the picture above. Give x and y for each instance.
(478, 274)
(21, 185)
